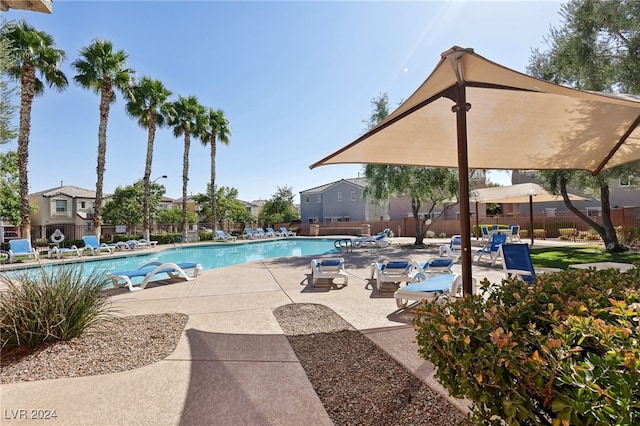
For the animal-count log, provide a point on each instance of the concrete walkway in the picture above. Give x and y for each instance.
(232, 365)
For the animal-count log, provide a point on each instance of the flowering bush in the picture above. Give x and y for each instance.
(562, 351)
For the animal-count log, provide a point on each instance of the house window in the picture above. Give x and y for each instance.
(82, 204)
(594, 211)
(306, 199)
(319, 198)
(630, 180)
(353, 195)
(339, 196)
(61, 206)
(313, 220)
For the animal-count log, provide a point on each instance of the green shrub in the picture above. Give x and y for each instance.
(51, 305)
(628, 235)
(563, 351)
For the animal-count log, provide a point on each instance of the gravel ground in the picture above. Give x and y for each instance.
(358, 383)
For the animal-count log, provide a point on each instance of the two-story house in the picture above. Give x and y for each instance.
(340, 201)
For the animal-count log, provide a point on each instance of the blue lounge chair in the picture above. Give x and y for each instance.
(515, 233)
(272, 233)
(220, 235)
(393, 271)
(516, 262)
(59, 252)
(427, 287)
(453, 249)
(379, 240)
(493, 249)
(21, 247)
(438, 265)
(485, 233)
(328, 269)
(92, 244)
(249, 234)
(149, 271)
(286, 233)
(260, 233)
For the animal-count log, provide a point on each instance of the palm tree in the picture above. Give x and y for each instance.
(187, 117)
(218, 129)
(102, 70)
(33, 52)
(149, 106)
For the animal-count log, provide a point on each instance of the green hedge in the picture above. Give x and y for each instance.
(563, 351)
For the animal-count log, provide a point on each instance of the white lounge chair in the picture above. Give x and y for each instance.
(59, 252)
(21, 247)
(438, 265)
(393, 271)
(453, 249)
(92, 244)
(272, 233)
(148, 243)
(286, 233)
(427, 287)
(220, 235)
(329, 268)
(149, 271)
(379, 240)
(249, 234)
(493, 249)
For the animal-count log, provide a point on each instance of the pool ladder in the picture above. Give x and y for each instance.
(344, 244)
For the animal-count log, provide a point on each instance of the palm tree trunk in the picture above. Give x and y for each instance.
(214, 218)
(146, 225)
(185, 180)
(28, 76)
(106, 95)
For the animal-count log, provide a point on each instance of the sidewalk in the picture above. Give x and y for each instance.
(232, 365)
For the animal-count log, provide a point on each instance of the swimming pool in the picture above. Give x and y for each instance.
(210, 256)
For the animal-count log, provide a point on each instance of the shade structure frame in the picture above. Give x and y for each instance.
(516, 122)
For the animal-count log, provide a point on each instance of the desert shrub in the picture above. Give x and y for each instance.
(567, 233)
(51, 305)
(430, 234)
(540, 233)
(562, 351)
(628, 235)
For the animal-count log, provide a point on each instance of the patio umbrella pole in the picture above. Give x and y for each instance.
(460, 108)
(531, 216)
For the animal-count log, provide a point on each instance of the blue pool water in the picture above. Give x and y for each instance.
(213, 255)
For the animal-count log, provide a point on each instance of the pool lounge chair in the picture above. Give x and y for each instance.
(493, 249)
(92, 244)
(220, 235)
(286, 233)
(273, 233)
(59, 252)
(516, 262)
(148, 243)
(453, 248)
(21, 247)
(438, 265)
(249, 234)
(328, 269)
(149, 271)
(393, 271)
(427, 287)
(379, 240)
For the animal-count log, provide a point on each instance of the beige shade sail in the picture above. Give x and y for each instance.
(519, 193)
(474, 113)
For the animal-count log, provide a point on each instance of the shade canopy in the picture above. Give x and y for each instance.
(519, 193)
(515, 121)
(474, 113)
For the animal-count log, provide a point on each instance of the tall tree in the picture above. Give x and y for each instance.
(102, 70)
(422, 185)
(8, 131)
(595, 48)
(125, 207)
(149, 105)
(218, 130)
(187, 118)
(32, 52)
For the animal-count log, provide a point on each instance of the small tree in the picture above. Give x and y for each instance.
(9, 187)
(279, 209)
(125, 207)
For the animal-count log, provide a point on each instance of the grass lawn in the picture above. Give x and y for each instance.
(562, 257)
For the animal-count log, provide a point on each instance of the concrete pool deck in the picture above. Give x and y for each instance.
(233, 365)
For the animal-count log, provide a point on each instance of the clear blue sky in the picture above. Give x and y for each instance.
(294, 79)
